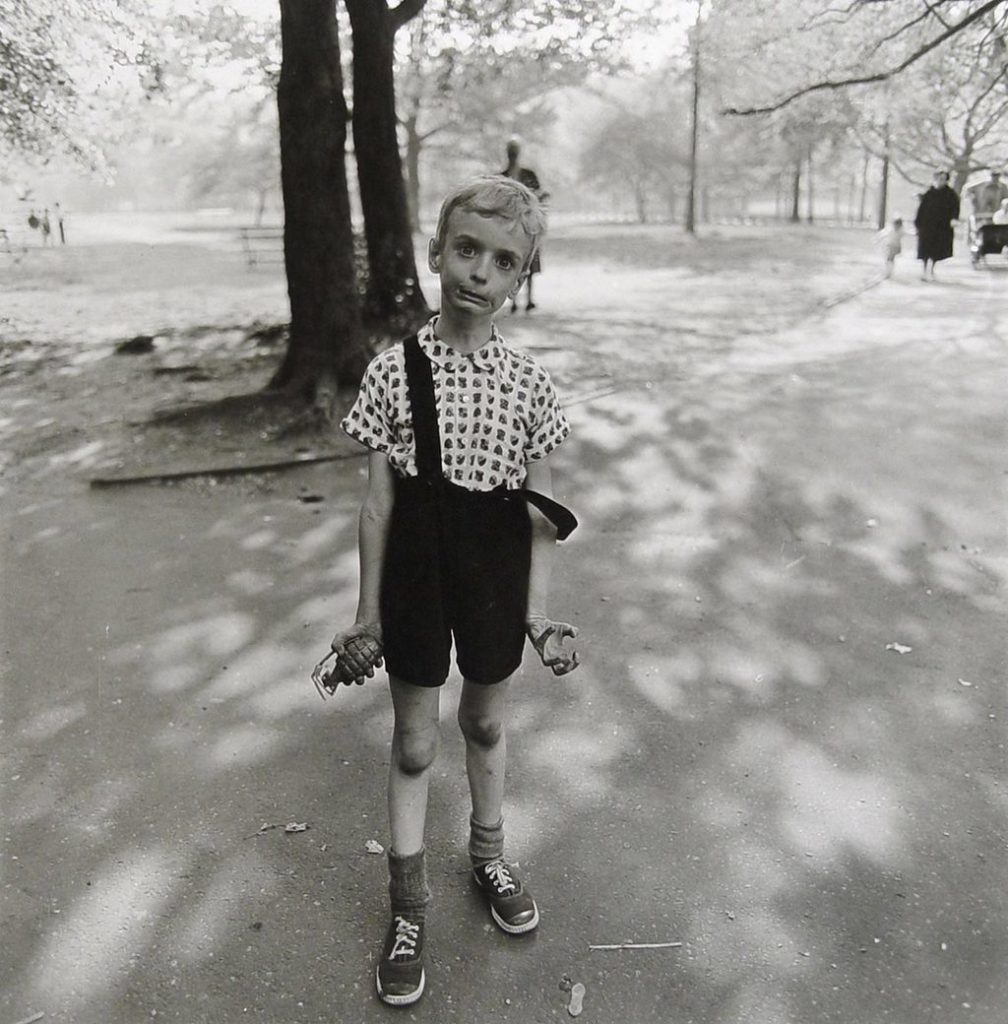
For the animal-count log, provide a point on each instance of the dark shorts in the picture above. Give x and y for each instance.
(456, 567)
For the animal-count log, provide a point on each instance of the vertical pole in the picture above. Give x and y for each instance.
(883, 199)
(694, 127)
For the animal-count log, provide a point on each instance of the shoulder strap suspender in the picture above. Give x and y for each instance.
(420, 383)
(427, 437)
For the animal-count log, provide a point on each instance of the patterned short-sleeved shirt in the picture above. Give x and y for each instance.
(497, 410)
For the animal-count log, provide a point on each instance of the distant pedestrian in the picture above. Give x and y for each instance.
(33, 221)
(891, 240)
(986, 197)
(46, 227)
(457, 531)
(59, 223)
(530, 180)
(939, 207)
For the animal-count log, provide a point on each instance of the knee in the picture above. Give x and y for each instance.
(415, 751)
(482, 730)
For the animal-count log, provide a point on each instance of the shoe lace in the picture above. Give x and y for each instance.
(498, 873)
(407, 935)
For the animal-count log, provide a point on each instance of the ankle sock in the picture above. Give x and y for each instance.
(486, 842)
(408, 890)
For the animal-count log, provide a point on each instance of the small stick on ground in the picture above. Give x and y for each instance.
(638, 945)
(227, 470)
(32, 1019)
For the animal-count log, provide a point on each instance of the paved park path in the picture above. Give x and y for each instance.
(785, 749)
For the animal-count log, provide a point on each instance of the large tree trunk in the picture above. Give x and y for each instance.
(393, 296)
(796, 192)
(325, 348)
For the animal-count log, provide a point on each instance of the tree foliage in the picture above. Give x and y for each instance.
(469, 76)
(65, 68)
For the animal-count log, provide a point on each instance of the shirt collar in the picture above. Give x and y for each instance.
(488, 357)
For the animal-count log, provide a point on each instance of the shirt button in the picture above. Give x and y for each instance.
(464, 398)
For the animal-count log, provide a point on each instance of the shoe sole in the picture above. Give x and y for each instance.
(406, 1000)
(516, 929)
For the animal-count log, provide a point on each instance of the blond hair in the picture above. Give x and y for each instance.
(495, 195)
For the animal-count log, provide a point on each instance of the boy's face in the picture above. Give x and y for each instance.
(481, 264)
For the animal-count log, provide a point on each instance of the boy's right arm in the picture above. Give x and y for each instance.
(372, 533)
(375, 515)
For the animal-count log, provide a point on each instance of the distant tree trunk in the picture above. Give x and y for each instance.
(883, 198)
(260, 206)
(413, 146)
(640, 201)
(796, 192)
(690, 224)
(393, 294)
(862, 205)
(809, 190)
(325, 349)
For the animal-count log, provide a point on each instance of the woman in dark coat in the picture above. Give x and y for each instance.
(939, 206)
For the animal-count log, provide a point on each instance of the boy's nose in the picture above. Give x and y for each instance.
(480, 269)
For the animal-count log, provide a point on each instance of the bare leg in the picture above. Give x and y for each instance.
(414, 748)
(481, 718)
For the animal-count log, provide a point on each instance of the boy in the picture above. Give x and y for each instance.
(456, 535)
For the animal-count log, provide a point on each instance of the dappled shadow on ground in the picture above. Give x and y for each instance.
(741, 764)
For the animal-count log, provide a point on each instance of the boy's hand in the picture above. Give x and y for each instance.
(547, 638)
(356, 653)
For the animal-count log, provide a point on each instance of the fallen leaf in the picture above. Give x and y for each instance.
(898, 648)
(373, 846)
(576, 1004)
(965, 682)
(296, 826)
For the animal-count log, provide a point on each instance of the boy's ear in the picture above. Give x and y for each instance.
(434, 256)
(517, 286)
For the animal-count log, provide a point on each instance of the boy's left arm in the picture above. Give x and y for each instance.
(547, 636)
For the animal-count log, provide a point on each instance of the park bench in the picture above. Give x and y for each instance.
(263, 245)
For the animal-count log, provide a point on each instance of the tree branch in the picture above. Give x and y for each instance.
(404, 11)
(879, 76)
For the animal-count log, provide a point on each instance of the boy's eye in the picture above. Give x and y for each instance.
(465, 249)
(505, 262)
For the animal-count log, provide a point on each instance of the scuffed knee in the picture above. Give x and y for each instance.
(415, 752)
(482, 730)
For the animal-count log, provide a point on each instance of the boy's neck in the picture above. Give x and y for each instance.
(466, 335)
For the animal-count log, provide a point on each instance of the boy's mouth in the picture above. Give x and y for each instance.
(469, 296)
